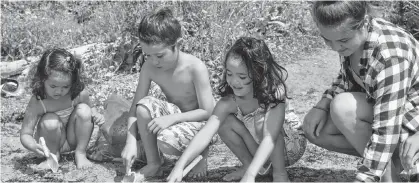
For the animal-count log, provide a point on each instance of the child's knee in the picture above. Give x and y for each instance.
(50, 121)
(83, 112)
(167, 148)
(143, 112)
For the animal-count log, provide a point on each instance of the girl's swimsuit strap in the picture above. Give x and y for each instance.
(43, 105)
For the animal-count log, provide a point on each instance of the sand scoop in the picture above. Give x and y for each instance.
(131, 176)
(51, 158)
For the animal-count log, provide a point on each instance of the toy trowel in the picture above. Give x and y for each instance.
(191, 165)
(131, 176)
(52, 160)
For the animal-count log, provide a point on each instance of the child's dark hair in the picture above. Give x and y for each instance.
(334, 13)
(59, 60)
(160, 27)
(268, 76)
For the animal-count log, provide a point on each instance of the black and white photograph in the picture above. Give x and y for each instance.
(209, 91)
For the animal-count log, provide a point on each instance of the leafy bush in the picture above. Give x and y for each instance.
(405, 14)
(209, 27)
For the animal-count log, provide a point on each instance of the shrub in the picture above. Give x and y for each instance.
(405, 14)
(209, 28)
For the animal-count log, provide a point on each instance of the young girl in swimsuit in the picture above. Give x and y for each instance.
(250, 117)
(59, 109)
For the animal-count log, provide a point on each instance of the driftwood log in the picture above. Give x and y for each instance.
(9, 69)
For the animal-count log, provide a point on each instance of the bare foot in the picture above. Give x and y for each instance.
(236, 175)
(200, 170)
(150, 170)
(280, 177)
(82, 161)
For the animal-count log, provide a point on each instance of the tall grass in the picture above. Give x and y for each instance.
(209, 28)
(30, 27)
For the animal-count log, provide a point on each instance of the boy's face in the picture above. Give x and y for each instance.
(160, 55)
(58, 84)
(343, 39)
(237, 77)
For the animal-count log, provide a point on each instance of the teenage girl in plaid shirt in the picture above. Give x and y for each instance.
(371, 109)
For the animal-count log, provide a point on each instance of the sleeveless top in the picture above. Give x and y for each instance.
(253, 121)
(63, 114)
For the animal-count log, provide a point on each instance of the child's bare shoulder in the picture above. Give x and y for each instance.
(34, 106)
(227, 103)
(193, 62)
(147, 70)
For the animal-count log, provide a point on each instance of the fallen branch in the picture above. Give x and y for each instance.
(8, 69)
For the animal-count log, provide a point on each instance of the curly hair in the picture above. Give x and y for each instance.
(58, 59)
(268, 76)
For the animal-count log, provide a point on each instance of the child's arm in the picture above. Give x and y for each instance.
(143, 86)
(202, 138)
(271, 129)
(204, 95)
(32, 115)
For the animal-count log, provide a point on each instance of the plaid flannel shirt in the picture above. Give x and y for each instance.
(390, 75)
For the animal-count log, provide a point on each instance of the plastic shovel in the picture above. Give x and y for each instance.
(191, 165)
(52, 160)
(130, 176)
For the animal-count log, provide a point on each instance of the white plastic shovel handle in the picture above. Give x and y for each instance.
(191, 165)
(51, 158)
(44, 146)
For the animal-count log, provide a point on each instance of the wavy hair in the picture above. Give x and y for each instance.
(58, 59)
(160, 27)
(268, 76)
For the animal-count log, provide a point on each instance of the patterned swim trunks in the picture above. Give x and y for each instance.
(179, 135)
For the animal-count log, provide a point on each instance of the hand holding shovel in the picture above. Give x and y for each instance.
(52, 160)
(129, 175)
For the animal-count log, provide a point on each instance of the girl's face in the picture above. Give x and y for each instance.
(58, 84)
(343, 39)
(237, 77)
(160, 55)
